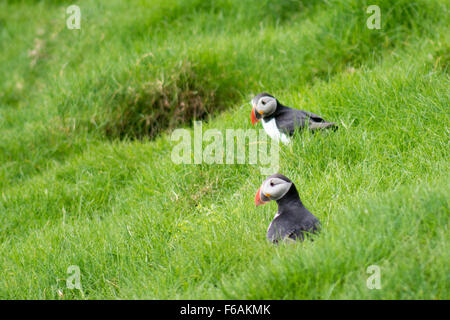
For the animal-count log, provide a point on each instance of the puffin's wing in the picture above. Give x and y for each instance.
(317, 122)
(310, 226)
(288, 120)
(289, 226)
(313, 117)
(279, 229)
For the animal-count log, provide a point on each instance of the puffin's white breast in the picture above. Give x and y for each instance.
(271, 128)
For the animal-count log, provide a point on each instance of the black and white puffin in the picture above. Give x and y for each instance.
(293, 220)
(280, 121)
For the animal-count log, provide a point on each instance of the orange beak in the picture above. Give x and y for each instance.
(258, 200)
(253, 117)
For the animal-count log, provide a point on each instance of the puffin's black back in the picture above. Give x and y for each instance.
(290, 119)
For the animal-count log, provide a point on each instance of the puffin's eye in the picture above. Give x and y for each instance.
(271, 184)
(263, 102)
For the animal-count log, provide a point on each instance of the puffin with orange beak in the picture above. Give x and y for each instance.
(292, 221)
(280, 121)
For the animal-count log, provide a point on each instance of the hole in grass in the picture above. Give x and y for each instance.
(189, 92)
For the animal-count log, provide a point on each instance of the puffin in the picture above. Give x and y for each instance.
(292, 221)
(280, 122)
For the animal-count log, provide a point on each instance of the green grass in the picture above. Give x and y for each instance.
(86, 176)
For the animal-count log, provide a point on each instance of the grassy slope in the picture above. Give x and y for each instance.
(139, 226)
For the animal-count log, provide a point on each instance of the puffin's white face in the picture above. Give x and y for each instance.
(272, 189)
(262, 107)
(266, 106)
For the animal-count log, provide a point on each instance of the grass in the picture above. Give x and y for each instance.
(86, 176)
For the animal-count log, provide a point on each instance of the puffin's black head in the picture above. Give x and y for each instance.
(263, 105)
(274, 187)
